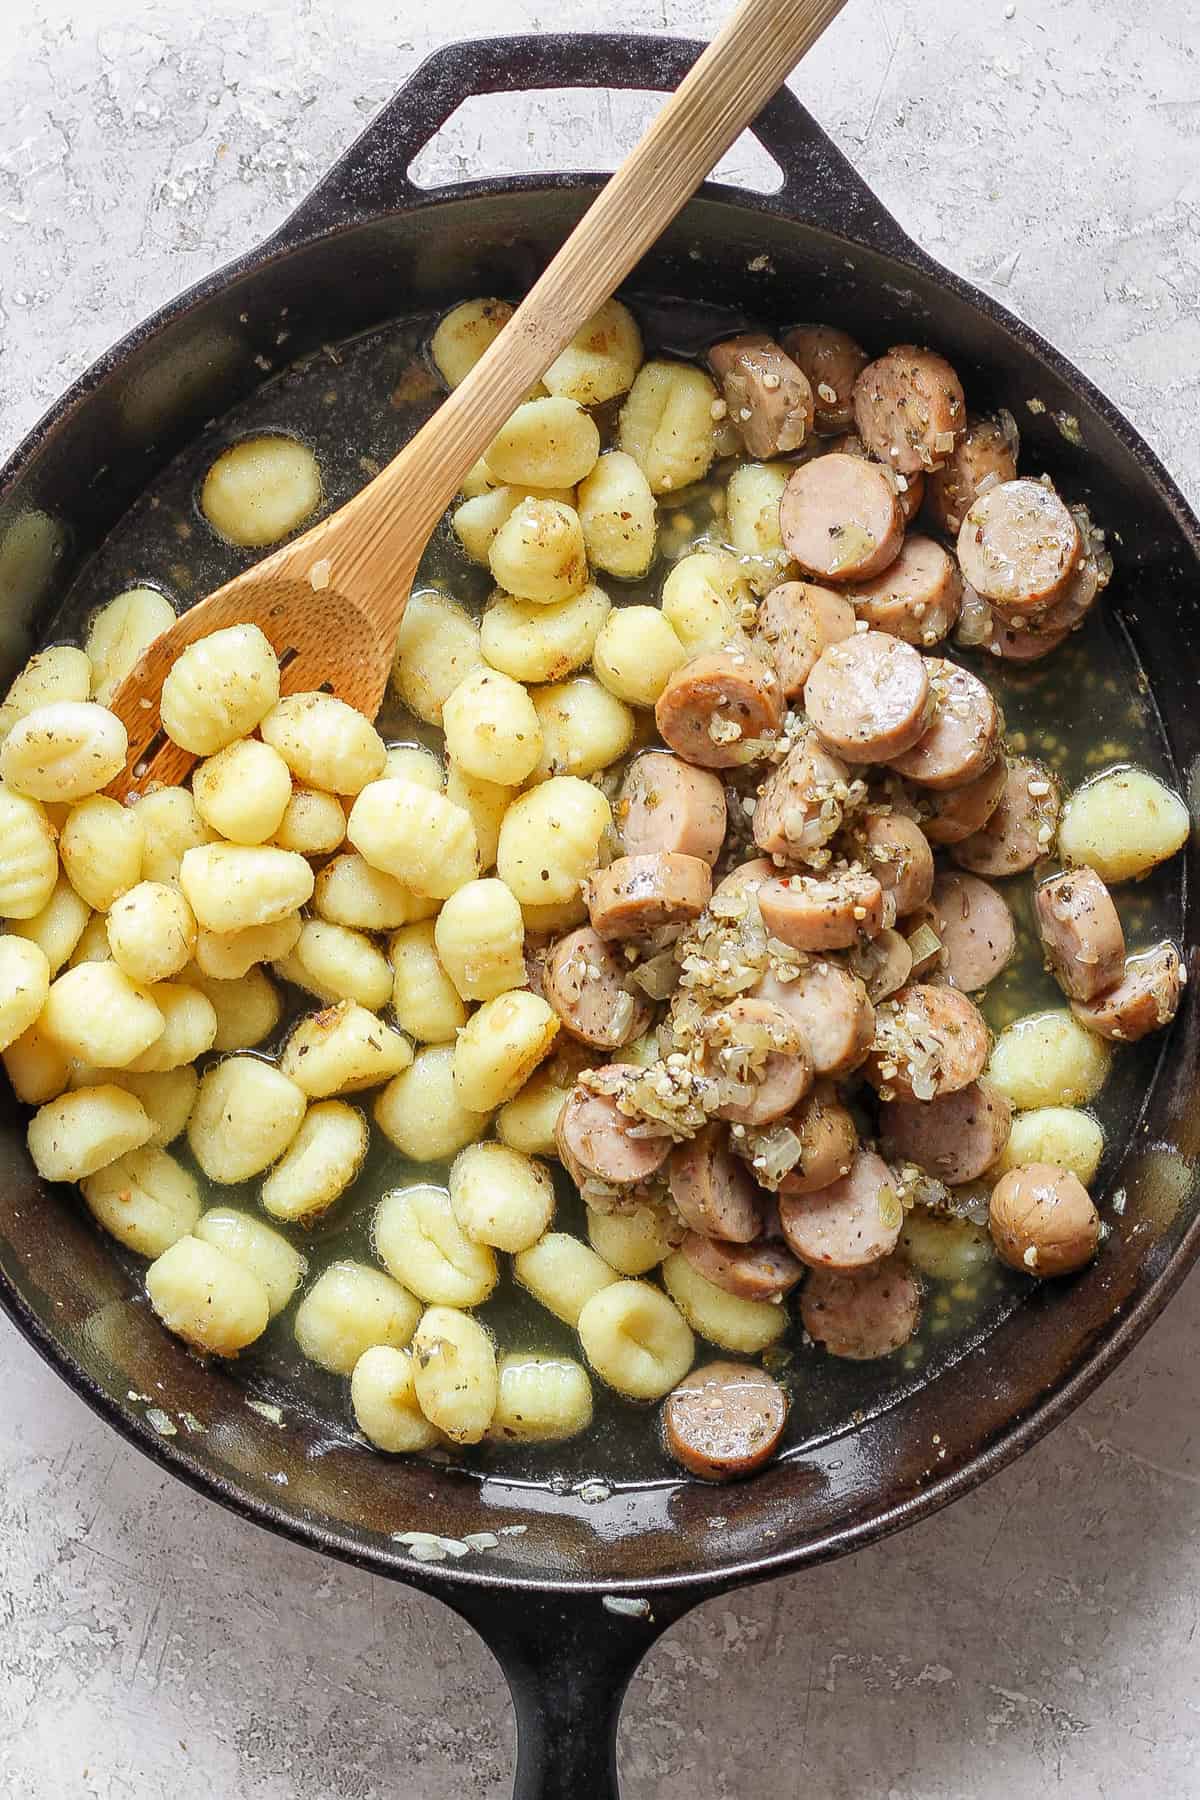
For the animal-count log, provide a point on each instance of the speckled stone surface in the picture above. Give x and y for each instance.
(1039, 1636)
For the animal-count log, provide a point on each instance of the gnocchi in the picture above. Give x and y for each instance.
(146, 1200)
(64, 751)
(260, 490)
(151, 932)
(533, 642)
(318, 1165)
(343, 1050)
(243, 791)
(245, 1115)
(618, 516)
(208, 1298)
(437, 647)
(120, 634)
(666, 424)
(422, 1244)
(170, 826)
(634, 1242)
(1048, 1059)
(325, 743)
(562, 1274)
(636, 1339)
(189, 1028)
(74, 1135)
(455, 1373)
(420, 1110)
(485, 803)
(538, 553)
(583, 728)
(220, 688)
(1062, 1135)
(313, 823)
(24, 986)
(425, 1001)
(348, 891)
(547, 443)
(247, 1011)
(232, 887)
(636, 654)
(540, 1400)
(480, 940)
(96, 1013)
(383, 1394)
(28, 857)
(601, 360)
(101, 846)
(1121, 824)
(477, 521)
(500, 1046)
(747, 1326)
(336, 963)
(463, 335)
(266, 1254)
(419, 838)
(60, 673)
(492, 730)
(550, 840)
(500, 1197)
(706, 600)
(228, 955)
(352, 1308)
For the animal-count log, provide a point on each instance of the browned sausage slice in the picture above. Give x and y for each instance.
(828, 1141)
(595, 1140)
(1145, 999)
(1081, 933)
(836, 1019)
(853, 1222)
(822, 912)
(667, 804)
(1042, 1220)
(832, 361)
(800, 805)
(909, 408)
(976, 927)
(986, 452)
(747, 878)
(716, 707)
(1022, 827)
(798, 620)
(637, 895)
(952, 814)
(1019, 545)
(883, 966)
(864, 1315)
(896, 851)
(917, 599)
(585, 981)
(724, 1420)
(908, 489)
(761, 1271)
(869, 698)
(769, 399)
(840, 518)
(757, 1045)
(928, 1041)
(713, 1192)
(955, 1137)
(963, 738)
(1027, 638)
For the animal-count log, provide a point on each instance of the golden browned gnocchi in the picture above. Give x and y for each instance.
(171, 825)
(492, 729)
(601, 360)
(207, 1297)
(538, 553)
(313, 823)
(232, 887)
(60, 673)
(96, 1013)
(547, 443)
(243, 791)
(318, 1165)
(325, 743)
(260, 490)
(219, 689)
(550, 840)
(534, 642)
(348, 891)
(58, 927)
(336, 963)
(343, 1050)
(636, 653)
(618, 517)
(582, 726)
(464, 334)
(420, 838)
(63, 751)
(500, 1046)
(245, 1116)
(501, 1197)
(228, 955)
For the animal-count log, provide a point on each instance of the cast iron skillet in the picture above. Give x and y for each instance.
(365, 246)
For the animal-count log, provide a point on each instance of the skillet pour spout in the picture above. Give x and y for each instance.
(580, 1581)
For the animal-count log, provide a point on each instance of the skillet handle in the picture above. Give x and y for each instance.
(568, 1661)
(820, 187)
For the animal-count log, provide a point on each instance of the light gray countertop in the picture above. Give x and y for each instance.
(1040, 1634)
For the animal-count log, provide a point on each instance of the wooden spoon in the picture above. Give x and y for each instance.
(331, 601)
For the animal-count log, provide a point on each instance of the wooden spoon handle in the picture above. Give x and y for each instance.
(389, 522)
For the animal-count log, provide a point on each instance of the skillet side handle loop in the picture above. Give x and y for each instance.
(372, 178)
(568, 1661)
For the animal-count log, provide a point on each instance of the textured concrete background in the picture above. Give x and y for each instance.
(1039, 1635)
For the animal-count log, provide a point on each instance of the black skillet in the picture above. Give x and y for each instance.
(365, 246)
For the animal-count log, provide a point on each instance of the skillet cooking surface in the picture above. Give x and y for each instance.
(924, 1441)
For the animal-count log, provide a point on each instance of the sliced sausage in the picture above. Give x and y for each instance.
(1042, 1220)
(1029, 637)
(798, 620)
(952, 814)
(822, 912)
(928, 1041)
(853, 1222)
(1013, 645)
(1081, 933)
(769, 399)
(869, 698)
(716, 706)
(713, 1192)
(832, 362)
(748, 877)
(1145, 999)
(840, 518)
(828, 1141)
(724, 1420)
(909, 408)
(667, 804)
(955, 1137)
(986, 452)
(595, 1140)
(1022, 827)
(976, 927)
(800, 805)
(638, 895)
(883, 965)
(586, 983)
(963, 738)
(917, 599)
(863, 1315)
(908, 489)
(1019, 545)
(836, 1019)
(897, 853)
(760, 1271)
(757, 1044)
